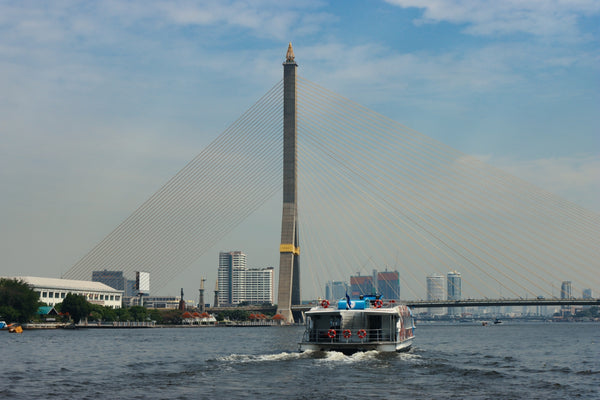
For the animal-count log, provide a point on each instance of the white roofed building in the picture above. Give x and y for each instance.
(53, 291)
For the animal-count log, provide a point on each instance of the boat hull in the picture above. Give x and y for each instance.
(351, 348)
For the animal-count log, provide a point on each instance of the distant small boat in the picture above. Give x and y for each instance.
(484, 323)
(497, 321)
(15, 328)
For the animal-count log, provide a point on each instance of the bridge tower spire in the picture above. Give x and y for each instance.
(289, 258)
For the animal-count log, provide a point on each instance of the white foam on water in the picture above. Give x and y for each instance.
(326, 357)
(247, 358)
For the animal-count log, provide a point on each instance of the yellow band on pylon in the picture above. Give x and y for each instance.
(289, 248)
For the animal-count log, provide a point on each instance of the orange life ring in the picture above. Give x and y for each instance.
(325, 303)
(347, 333)
(362, 333)
(378, 303)
(331, 333)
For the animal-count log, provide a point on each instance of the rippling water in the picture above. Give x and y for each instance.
(508, 361)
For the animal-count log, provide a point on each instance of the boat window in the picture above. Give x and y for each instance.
(335, 321)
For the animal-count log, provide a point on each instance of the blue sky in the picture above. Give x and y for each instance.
(102, 102)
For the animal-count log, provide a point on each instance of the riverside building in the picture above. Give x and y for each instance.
(454, 291)
(53, 291)
(388, 285)
(259, 285)
(361, 285)
(435, 291)
(237, 284)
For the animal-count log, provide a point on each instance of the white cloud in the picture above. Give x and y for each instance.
(555, 18)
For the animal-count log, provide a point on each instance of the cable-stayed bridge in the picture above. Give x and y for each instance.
(367, 193)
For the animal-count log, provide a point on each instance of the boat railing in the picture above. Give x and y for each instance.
(336, 335)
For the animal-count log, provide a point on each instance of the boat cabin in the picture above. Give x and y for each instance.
(362, 320)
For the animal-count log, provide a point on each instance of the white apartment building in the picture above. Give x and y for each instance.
(435, 291)
(231, 277)
(259, 285)
(237, 284)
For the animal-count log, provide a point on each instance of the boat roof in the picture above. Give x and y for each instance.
(321, 310)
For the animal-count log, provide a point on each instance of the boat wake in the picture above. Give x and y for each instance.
(257, 358)
(321, 356)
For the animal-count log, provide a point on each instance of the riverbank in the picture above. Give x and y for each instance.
(135, 325)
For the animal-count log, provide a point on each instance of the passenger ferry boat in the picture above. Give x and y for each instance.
(358, 325)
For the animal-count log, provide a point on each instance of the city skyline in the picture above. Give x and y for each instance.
(104, 103)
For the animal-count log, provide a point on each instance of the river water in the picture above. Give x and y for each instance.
(458, 361)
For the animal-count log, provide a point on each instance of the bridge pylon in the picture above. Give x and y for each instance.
(289, 250)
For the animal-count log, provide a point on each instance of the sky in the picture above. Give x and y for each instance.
(102, 102)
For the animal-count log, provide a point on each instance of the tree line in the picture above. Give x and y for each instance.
(20, 303)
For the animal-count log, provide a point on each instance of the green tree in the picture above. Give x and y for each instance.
(138, 313)
(237, 315)
(95, 316)
(76, 305)
(123, 314)
(109, 314)
(18, 301)
(155, 315)
(171, 317)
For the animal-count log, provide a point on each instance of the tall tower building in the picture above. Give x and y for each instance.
(388, 285)
(566, 293)
(435, 291)
(454, 291)
(565, 290)
(231, 277)
(361, 285)
(289, 250)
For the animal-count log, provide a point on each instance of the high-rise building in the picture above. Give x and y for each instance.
(565, 290)
(361, 285)
(114, 279)
(130, 288)
(259, 285)
(237, 284)
(435, 291)
(231, 277)
(388, 285)
(566, 293)
(454, 291)
(587, 294)
(335, 290)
